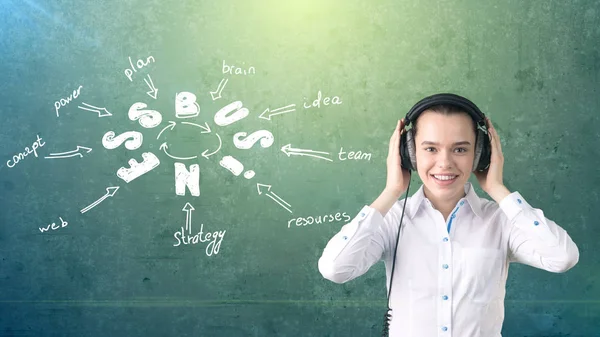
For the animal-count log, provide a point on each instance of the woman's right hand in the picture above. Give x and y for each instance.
(397, 176)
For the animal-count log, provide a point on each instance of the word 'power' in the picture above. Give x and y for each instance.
(64, 101)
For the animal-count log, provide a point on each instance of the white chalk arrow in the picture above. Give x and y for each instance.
(77, 152)
(205, 153)
(110, 191)
(102, 112)
(171, 125)
(289, 150)
(278, 111)
(206, 128)
(188, 208)
(164, 147)
(273, 196)
(217, 94)
(153, 91)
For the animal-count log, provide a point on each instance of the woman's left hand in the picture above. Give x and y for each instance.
(491, 179)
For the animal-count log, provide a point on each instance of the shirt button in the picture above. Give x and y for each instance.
(444, 297)
(345, 237)
(445, 240)
(444, 328)
(462, 202)
(536, 223)
(453, 216)
(362, 214)
(519, 201)
(445, 266)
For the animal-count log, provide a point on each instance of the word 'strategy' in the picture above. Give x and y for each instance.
(54, 226)
(214, 239)
(309, 220)
(212, 247)
(20, 156)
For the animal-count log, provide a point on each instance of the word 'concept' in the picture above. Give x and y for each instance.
(233, 70)
(326, 101)
(18, 157)
(309, 220)
(64, 101)
(54, 226)
(139, 65)
(214, 239)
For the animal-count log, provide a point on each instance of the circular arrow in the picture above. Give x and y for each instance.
(206, 155)
(164, 147)
(205, 129)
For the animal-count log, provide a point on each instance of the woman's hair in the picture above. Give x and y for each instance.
(446, 110)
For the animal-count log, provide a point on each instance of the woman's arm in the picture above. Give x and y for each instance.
(536, 240)
(362, 242)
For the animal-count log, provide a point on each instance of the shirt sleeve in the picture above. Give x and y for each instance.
(536, 240)
(355, 248)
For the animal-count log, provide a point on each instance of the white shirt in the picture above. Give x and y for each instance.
(450, 276)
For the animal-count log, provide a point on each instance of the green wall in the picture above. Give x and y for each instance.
(115, 268)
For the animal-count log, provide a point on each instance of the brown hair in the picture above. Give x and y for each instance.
(446, 110)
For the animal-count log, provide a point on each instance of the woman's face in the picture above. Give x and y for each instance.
(444, 146)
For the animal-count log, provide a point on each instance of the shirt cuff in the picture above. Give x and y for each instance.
(367, 217)
(512, 205)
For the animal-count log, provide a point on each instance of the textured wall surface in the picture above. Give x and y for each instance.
(113, 266)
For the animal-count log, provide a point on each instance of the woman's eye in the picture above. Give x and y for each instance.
(460, 149)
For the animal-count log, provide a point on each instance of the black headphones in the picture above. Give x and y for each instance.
(482, 142)
(408, 159)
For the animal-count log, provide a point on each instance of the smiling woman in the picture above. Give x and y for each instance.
(454, 245)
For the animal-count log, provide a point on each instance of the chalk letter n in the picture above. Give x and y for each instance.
(184, 178)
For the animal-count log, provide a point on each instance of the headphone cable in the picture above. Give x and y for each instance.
(388, 314)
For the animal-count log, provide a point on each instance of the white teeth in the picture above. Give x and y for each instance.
(444, 177)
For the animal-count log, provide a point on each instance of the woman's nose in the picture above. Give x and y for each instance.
(445, 159)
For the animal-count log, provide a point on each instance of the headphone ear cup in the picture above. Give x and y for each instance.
(411, 150)
(486, 151)
(404, 155)
(478, 149)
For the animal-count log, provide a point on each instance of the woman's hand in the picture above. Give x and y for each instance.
(491, 180)
(397, 176)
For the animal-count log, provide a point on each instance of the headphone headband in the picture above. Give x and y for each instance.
(445, 98)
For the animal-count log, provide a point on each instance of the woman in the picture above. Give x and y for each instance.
(454, 247)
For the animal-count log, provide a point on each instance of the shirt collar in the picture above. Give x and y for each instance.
(472, 198)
